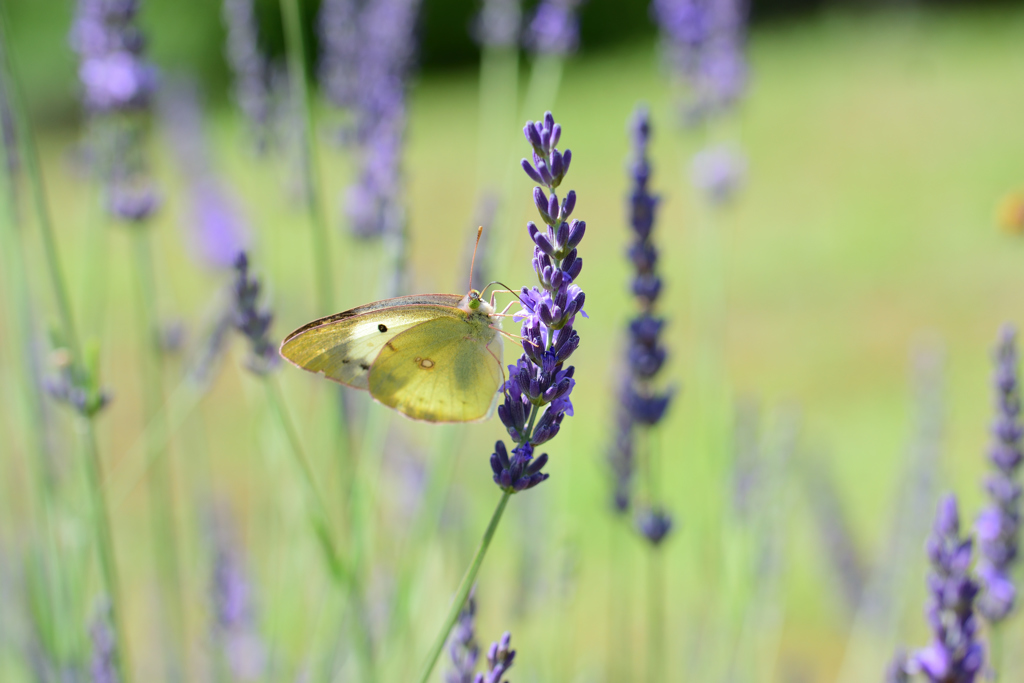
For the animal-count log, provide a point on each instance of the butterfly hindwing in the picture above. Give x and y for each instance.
(445, 370)
(344, 346)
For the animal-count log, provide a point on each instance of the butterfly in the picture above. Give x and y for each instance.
(432, 357)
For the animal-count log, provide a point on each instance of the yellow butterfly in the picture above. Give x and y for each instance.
(432, 357)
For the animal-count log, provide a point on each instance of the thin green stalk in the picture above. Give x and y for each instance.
(105, 541)
(464, 587)
(655, 569)
(425, 527)
(996, 658)
(43, 488)
(296, 47)
(655, 614)
(340, 569)
(55, 273)
(620, 584)
(161, 482)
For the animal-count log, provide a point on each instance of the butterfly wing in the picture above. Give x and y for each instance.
(344, 346)
(444, 370)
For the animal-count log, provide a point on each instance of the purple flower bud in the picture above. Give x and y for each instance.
(569, 203)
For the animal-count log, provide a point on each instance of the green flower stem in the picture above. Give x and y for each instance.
(161, 481)
(105, 541)
(296, 48)
(655, 614)
(57, 281)
(996, 656)
(18, 305)
(340, 569)
(426, 523)
(463, 592)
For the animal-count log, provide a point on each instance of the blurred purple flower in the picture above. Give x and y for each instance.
(498, 23)
(340, 45)
(116, 78)
(249, 67)
(955, 655)
(251, 320)
(499, 660)
(372, 81)
(998, 526)
(704, 43)
(112, 71)
(220, 230)
(216, 229)
(718, 172)
(640, 403)
(234, 629)
(654, 524)
(554, 28)
(462, 645)
(102, 664)
(897, 671)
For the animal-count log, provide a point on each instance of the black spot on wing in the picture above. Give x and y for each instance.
(364, 366)
(382, 327)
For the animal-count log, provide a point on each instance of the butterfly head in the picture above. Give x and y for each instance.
(474, 305)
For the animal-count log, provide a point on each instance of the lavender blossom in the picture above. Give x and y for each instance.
(498, 23)
(76, 387)
(102, 665)
(554, 28)
(955, 655)
(540, 380)
(117, 81)
(251, 320)
(897, 671)
(998, 526)
(215, 227)
(718, 172)
(234, 628)
(340, 43)
(499, 660)
(250, 68)
(703, 41)
(654, 524)
(462, 646)
(112, 71)
(385, 59)
(640, 404)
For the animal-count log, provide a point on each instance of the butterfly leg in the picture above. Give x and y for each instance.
(514, 337)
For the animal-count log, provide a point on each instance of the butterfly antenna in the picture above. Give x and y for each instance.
(472, 263)
(509, 289)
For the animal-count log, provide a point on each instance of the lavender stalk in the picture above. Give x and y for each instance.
(55, 274)
(955, 655)
(253, 321)
(296, 47)
(998, 526)
(537, 393)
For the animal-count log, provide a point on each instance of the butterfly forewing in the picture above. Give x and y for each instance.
(447, 370)
(344, 346)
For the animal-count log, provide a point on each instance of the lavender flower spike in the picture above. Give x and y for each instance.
(235, 629)
(102, 668)
(251, 320)
(250, 68)
(499, 660)
(998, 526)
(462, 647)
(555, 28)
(955, 655)
(540, 383)
(641, 405)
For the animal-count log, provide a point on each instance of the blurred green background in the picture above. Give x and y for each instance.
(879, 144)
